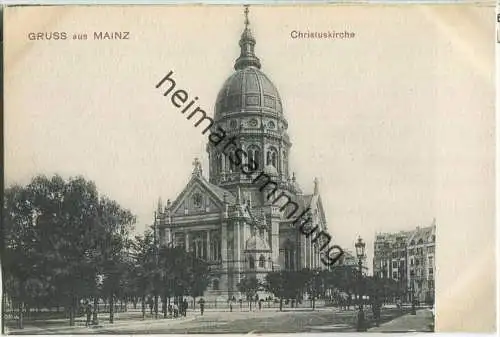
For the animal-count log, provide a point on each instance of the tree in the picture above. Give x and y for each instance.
(54, 231)
(144, 266)
(275, 283)
(314, 280)
(249, 286)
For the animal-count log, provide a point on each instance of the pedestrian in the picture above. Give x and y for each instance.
(88, 312)
(202, 305)
(185, 307)
(151, 305)
(260, 305)
(170, 309)
(176, 310)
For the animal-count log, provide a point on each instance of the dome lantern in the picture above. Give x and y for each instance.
(247, 43)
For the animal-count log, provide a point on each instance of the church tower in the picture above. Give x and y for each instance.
(249, 109)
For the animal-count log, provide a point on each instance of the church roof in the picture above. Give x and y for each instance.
(248, 88)
(220, 192)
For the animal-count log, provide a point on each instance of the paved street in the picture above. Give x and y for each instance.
(266, 321)
(420, 322)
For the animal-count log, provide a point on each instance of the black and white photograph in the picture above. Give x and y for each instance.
(248, 169)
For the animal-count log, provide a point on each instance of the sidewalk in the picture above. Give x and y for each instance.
(104, 324)
(420, 322)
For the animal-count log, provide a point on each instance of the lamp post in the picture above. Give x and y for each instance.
(360, 253)
(413, 311)
(99, 279)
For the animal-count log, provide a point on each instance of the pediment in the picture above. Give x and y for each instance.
(197, 198)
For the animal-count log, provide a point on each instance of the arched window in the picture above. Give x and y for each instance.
(251, 262)
(272, 157)
(220, 164)
(262, 261)
(254, 155)
(215, 249)
(420, 241)
(232, 161)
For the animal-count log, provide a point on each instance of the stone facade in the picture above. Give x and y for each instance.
(227, 219)
(408, 257)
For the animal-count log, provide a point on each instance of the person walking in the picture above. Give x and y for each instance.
(185, 307)
(151, 305)
(202, 305)
(176, 310)
(88, 312)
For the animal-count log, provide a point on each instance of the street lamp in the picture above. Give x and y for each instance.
(99, 279)
(360, 253)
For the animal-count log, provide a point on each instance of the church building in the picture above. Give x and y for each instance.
(221, 215)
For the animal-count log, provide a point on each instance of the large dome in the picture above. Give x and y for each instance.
(248, 89)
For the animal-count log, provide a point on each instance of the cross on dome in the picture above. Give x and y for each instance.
(247, 22)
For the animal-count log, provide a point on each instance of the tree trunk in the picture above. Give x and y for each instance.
(95, 319)
(111, 309)
(143, 304)
(156, 306)
(281, 303)
(72, 308)
(314, 302)
(20, 323)
(250, 302)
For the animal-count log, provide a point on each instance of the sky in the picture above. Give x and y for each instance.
(376, 118)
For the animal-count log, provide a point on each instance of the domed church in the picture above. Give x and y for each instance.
(226, 218)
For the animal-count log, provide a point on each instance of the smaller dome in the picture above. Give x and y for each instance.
(270, 170)
(256, 243)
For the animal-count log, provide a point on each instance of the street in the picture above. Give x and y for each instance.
(265, 321)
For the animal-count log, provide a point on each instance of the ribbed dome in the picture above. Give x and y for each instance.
(248, 89)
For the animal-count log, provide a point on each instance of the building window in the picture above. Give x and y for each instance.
(215, 284)
(220, 166)
(394, 255)
(215, 249)
(394, 264)
(431, 271)
(254, 155)
(417, 262)
(431, 261)
(289, 252)
(420, 241)
(232, 161)
(394, 275)
(251, 262)
(262, 261)
(272, 157)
